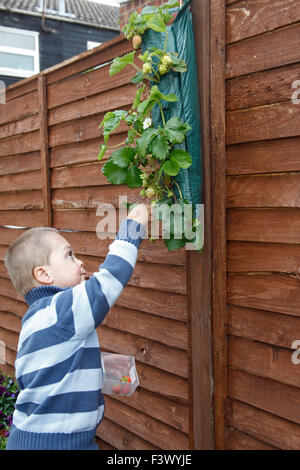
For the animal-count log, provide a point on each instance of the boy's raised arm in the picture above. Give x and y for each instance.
(81, 309)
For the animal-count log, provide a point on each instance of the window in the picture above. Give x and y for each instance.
(19, 52)
(92, 44)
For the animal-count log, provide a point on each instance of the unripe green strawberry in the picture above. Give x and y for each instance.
(147, 68)
(143, 192)
(136, 41)
(166, 60)
(162, 69)
(150, 192)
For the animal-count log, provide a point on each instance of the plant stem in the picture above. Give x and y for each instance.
(165, 48)
(179, 190)
(162, 114)
(117, 145)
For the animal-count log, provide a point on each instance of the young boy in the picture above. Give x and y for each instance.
(58, 364)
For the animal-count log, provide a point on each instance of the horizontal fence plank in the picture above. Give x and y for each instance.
(21, 181)
(169, 332)
(237, 440)
(255, 257)
(262, 88)
(163, 304)
(120, 438)
(167, 411)
(82, 175)
(12, 305)
(145, 426)
(148, 276)
(22, 218)
(264, 426)
(29, 142)
(10, 321)
(274, 292)
(264, 225)
(246, 19)
(263, 191)
(263, 122)
(268, 395)
(22, 107)
(264, 326)
(265, 156)
(21, 88)
(100, 103)
(20, 163)
(8, 290)
(19, 127)
(156, 354)
(263, 52)
(21, 200)
(269, 361)
(10, 338)
(81, 152)
(86, 85)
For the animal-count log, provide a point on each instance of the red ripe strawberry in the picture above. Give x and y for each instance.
(116, 388)
(126, 389)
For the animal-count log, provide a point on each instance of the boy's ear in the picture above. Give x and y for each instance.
(41, 274)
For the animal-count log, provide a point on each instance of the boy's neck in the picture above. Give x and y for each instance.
(41, 291)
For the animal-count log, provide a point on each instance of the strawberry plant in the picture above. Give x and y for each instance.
(148, 158)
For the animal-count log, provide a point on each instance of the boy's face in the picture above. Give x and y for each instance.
(64, 269)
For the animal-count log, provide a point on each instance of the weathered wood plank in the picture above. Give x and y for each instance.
(22, 107)
(264, 426)
(22, 218)
(266, 156)
(13, 305)
(273, 292)
(22, 126)
(10, 321)
(21, 200)
(21, 181)
(262, 88)
(264, 122)
(237, 440)
(24, 143)
(246, 19)
(271, 362)
(255, 257)
(263, 52)
(169, 332)
(263, 191)
(100, 103)
(145, 426)
(268, 395)
(264, 225)
(20, 163)
(260, 325)
(82, 175)
(120, 438)
(158, 355)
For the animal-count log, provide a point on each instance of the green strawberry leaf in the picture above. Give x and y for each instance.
(182, 157)
(114, 173)
(174, 244)
(123, 157)
(133, 179)
(171, 167)
(120, 62)
(176, 130)
(156, 23)
(143, 142)
(159, 147)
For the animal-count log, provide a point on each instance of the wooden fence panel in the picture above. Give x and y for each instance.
(263, 231)
(50, 175)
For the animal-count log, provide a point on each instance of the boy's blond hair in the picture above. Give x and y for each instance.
(29, 250)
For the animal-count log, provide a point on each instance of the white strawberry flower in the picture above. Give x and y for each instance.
(147, 123)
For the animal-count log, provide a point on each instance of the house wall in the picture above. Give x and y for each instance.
(69, 40)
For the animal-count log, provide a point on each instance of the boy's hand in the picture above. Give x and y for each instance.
(140, 213)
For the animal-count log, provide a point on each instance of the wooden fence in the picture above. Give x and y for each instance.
(263, 223)
(50, 176)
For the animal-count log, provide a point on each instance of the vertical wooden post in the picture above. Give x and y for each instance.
(44, 150)
(218, 168)
(199, 265)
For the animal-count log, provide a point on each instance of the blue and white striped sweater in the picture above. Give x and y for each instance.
(58, 365)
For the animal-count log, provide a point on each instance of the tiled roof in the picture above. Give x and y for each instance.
(83, 11)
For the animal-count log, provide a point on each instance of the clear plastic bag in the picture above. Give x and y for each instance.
(120, 377)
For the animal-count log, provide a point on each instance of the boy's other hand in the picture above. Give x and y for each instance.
(140, 213)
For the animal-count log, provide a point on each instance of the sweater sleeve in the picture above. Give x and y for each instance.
(82, 308)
